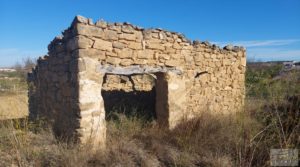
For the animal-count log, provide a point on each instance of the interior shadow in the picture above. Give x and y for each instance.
(139, 104)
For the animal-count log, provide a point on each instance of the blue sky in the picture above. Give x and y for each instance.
(269, 29)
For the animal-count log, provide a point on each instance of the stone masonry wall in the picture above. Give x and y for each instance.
(91, 57)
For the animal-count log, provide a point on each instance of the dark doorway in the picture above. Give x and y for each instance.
(135, 103)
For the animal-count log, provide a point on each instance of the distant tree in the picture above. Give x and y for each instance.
(18, 66)
(28, 64)
(24, 67)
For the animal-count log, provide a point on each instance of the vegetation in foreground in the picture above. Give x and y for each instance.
(270, 120)
(13, 106)
(13, 91)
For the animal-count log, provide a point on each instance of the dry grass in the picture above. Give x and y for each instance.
(242, 140)
(13, 106)
(209, 140)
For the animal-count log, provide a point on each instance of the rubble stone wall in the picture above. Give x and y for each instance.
(192, 77)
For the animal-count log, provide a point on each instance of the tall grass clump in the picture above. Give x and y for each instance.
(210, 140)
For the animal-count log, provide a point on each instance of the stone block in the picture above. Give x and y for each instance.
(171, 102)
(145, 54)
(207, 55)
(101, 24)
(79, 42)
(112, 54)
(177, 46)
(81, 65)
(135, 45)
(89, 30)
(91, 52)
(170, 50)
(243, 61)
(129, 37)
(110, 35)
(141, 61)
(80, 19)
(172, 63)
(125, 53)
(164, 56)
(103, 45)
(126, 62)
(154, 45)
(113, 60)
(128, 29)
(118, 45)
(226, 62)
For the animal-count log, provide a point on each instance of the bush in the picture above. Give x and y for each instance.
(258, 79)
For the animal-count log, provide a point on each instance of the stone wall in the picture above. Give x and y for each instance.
(189, 77)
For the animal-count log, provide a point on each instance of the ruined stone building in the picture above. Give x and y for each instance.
(93, 63)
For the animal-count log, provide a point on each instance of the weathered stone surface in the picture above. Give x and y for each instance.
(129, 37)
(83, 43)
(80, 19)
(92, 53)
(171, 101)
(113, 60)
(243, 61)
(101, 23)
(154, 45)
(102, 45)
(135, 69)
(118, 45)
(126, 62)
(90, 21)
(172, 63)
(135, 45)
(125, 53)
(228, 47)
(145, 54)
(128, 29)
(110, 35)
(79, 42)
(81, 65)
(89, 30)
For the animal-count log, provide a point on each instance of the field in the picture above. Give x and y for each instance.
(13, 106)
(271, 119)
(13, 95)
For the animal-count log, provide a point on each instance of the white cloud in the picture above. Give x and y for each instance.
(261, 43)
(269, 50)
(273, 54)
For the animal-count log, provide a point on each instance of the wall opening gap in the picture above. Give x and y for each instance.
(130, 96)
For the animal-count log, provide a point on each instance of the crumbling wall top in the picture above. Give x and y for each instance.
(56, 43)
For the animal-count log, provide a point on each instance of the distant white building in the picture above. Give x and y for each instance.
(289, 65)
(297, 65)
(7, 70)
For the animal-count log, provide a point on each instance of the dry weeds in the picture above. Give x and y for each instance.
(13, 106)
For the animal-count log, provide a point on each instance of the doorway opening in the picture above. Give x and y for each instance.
(131, 95)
